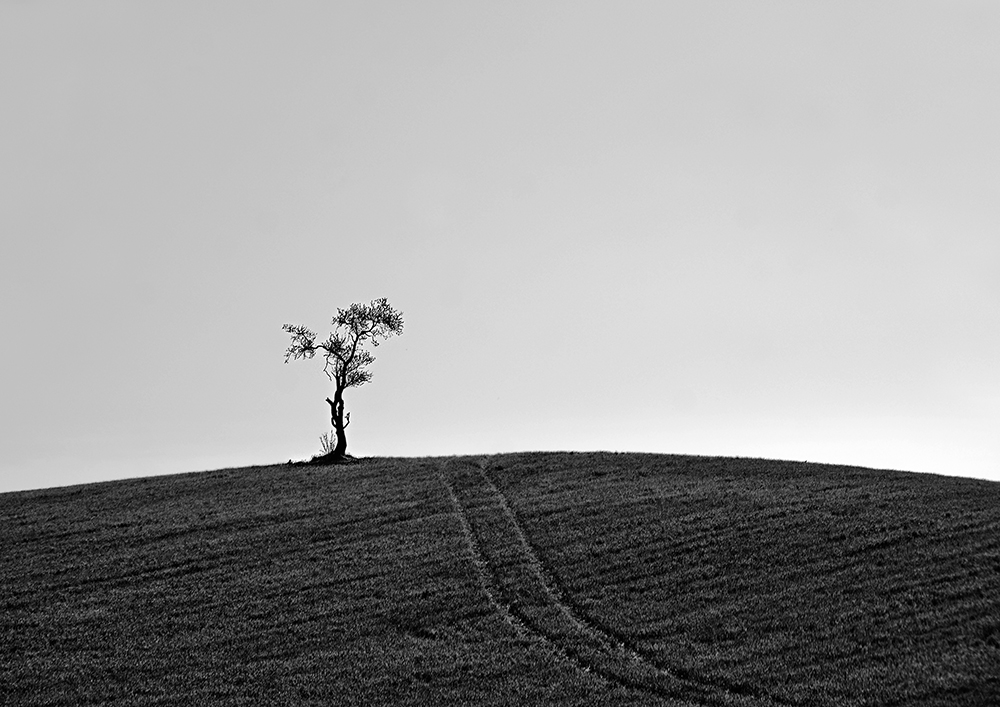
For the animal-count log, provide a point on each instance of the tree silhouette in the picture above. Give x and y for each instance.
(346, 359)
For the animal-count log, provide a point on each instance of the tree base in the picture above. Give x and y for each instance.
(328, 460)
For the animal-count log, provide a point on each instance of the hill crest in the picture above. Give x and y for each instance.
(564, 578)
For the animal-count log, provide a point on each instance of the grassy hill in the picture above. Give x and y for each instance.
(605, 579)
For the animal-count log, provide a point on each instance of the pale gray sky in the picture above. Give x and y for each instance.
(738, 228)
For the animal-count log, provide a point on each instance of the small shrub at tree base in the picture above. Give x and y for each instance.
(328, 442)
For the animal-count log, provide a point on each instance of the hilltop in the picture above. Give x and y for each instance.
(535, 578)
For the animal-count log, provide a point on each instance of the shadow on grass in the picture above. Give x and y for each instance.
(330, 459)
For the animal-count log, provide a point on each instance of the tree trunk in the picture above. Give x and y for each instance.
(337, 420)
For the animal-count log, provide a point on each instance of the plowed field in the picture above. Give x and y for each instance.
(604, 579)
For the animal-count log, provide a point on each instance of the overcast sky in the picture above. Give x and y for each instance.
(763, 229)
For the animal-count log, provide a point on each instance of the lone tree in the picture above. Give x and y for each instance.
(345, 358)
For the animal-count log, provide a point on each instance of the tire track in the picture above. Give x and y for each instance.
(520, 587)
(756, 695)
(488, 584)
(476, 555)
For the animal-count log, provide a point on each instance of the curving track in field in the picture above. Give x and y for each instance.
(522, 591)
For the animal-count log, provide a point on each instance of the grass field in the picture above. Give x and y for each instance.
(567, 579)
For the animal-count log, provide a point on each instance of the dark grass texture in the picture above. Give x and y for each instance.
(536, 579)
(816, 584)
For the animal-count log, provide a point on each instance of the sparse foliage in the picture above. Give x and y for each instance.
(345, 360)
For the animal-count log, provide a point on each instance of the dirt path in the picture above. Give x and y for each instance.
(524, 593)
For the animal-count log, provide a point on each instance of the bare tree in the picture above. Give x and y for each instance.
(345, 359)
